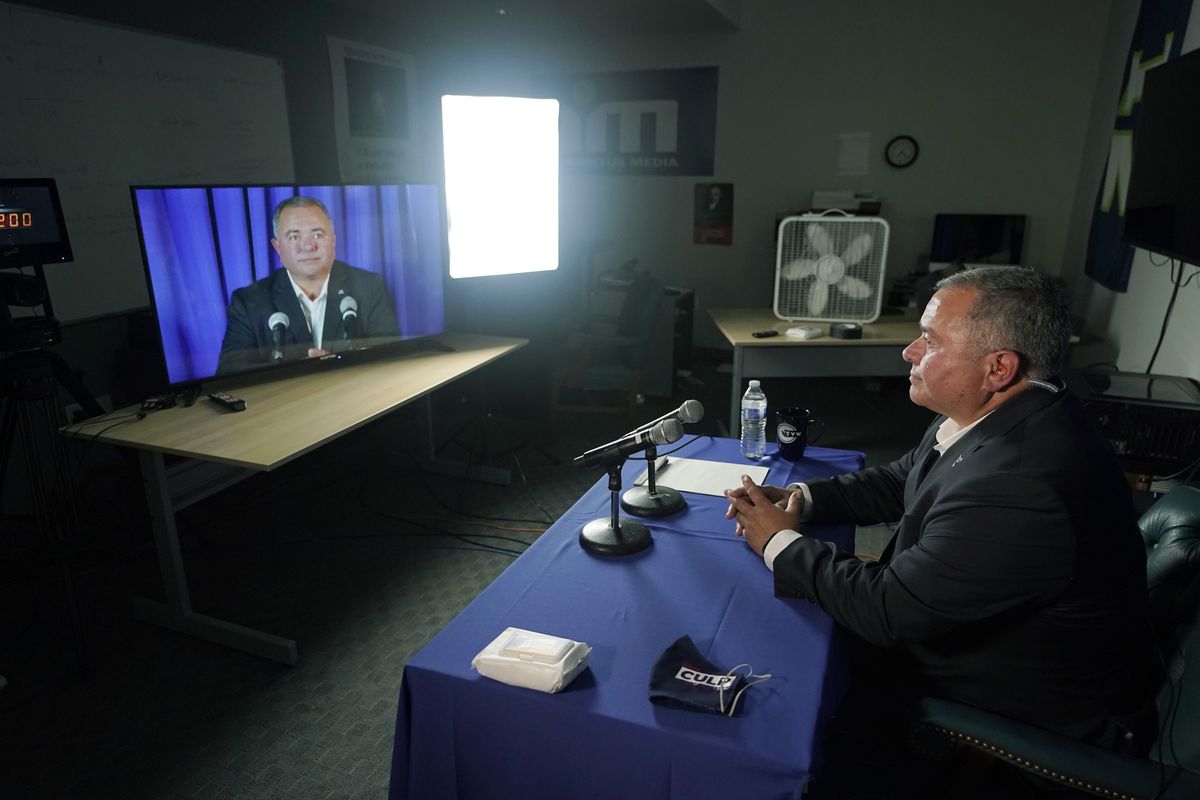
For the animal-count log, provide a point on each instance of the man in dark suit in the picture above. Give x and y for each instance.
(1015, 578)
(312, 307)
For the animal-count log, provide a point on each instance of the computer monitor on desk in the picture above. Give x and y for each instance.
(970, 239)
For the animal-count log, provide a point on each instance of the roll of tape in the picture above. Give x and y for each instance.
(845, 330)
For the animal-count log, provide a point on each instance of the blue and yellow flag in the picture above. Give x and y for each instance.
(1157, 38)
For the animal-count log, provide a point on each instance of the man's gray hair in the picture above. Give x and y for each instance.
(1017, 309)
(298, 201)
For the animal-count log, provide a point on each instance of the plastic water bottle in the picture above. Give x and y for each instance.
(754, 422)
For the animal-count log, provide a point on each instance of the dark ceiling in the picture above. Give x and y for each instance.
(558, 17)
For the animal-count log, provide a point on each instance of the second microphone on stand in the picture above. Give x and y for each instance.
(652, 499)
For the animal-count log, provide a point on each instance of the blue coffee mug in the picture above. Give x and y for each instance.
(795, 428)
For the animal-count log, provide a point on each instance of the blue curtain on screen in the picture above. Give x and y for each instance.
(203, 243)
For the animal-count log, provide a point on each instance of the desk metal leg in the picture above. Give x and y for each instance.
(735, 391)
(176, 613)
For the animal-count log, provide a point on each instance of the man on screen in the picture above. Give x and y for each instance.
(312, 307)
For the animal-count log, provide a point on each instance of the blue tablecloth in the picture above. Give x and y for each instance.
(460, 735)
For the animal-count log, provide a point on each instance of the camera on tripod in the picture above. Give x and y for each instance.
(32, 233)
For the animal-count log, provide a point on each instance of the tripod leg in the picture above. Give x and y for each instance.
(67, 521)
(456, 469)
(81, 656)
(7, 427)
(55, 517)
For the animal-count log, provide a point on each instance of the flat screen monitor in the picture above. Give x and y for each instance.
(1162, 205)
(349, 269)
(976, 239)
(32, 230)
(1165, 389)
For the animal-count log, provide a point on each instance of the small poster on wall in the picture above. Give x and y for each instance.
(713, 214)
(372, 110)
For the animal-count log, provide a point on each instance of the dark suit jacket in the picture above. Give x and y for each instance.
(1015, 580)
(247, 341)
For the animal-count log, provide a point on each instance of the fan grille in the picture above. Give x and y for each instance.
(832, 251)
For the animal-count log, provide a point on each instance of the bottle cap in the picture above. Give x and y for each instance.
(754, 384)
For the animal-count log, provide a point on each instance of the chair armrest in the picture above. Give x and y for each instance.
(1051, 755)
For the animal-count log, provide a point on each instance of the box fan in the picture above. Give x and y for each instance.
(829, 267)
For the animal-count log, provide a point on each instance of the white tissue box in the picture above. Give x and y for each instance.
(532, 660)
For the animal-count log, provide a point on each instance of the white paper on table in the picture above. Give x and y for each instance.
(703, 477)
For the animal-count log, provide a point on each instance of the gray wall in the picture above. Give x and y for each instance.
(1001, 96)
(294, 33)
(114, 353)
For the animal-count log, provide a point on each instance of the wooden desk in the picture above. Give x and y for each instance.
(284, 418)
(876, 353)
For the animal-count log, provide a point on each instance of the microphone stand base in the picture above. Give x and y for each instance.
(641, 503)
(599, 537)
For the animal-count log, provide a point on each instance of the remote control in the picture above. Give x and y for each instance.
(229, 401)
(764, 334)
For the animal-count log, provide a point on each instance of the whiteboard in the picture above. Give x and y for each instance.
(99, 108)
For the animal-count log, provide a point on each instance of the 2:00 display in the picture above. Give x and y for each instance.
(10, 219)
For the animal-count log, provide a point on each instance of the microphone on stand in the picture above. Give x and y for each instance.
(653, 500)
(664, 432)
(277, 323)
(688, 411)
(349, 309)
(615, 536)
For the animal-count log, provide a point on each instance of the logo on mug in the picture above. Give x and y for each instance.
(786, 432)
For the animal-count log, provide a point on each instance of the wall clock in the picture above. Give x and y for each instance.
(901, 151)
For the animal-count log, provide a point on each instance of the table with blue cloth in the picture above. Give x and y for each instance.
(461, 735)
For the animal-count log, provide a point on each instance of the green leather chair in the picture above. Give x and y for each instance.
(1171, 770)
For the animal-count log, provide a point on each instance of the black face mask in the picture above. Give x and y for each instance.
(682, 678)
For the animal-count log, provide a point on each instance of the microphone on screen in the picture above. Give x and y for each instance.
(349, 309)
(665, 432)
(688, 411)
(278, 324)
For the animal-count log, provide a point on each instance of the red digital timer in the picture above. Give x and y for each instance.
(15, 218)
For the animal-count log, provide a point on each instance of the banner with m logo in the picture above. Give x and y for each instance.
(648, 122)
